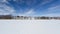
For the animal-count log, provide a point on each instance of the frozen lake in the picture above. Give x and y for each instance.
(29, 26)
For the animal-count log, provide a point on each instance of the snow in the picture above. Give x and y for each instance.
(29, 26)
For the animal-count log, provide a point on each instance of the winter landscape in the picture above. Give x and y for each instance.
(29, 16)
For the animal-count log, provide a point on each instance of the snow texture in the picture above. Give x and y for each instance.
(29, 26)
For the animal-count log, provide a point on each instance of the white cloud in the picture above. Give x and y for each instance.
(28, 13)
(52, 11)
(5, 10)
(4, 1)
(31, 11)
(45, 2)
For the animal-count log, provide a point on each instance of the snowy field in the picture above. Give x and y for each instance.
(29, 26)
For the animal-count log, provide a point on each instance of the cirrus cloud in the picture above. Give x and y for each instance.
(5, 9)
(28, 13)
(52, 11)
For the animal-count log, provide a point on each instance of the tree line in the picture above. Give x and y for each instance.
(26, 17)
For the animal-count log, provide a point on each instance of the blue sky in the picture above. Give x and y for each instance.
(30, 7)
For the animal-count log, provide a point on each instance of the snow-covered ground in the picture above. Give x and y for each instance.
(29, 26)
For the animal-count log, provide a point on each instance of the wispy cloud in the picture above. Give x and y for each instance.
(5, 9)
(4, 1)
(52, 11)
(31, 11)
(45, 2)
(28, 13)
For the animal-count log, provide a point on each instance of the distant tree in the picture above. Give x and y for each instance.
(6, 17)
(36, 18)
(44, 17)
(18, 16)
